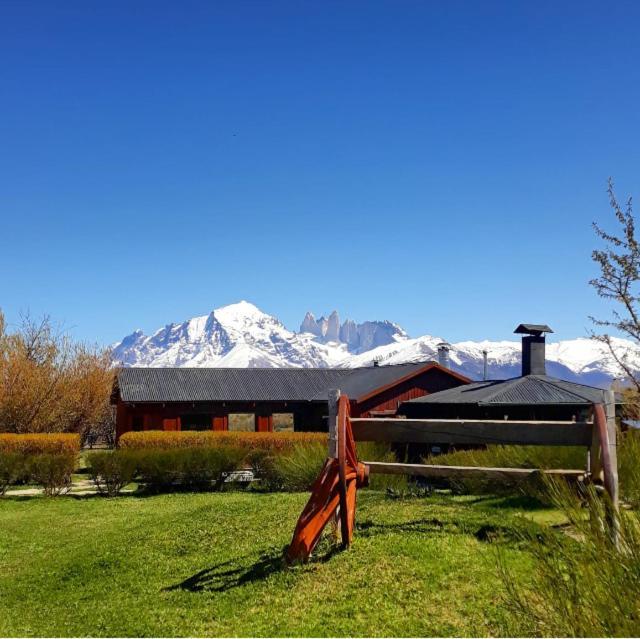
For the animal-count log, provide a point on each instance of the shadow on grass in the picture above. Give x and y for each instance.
(230, 574)
(486, 533)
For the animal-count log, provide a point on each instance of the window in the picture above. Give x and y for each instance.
(245, 422)
(137, 423)
(282, 422)
(195, 422)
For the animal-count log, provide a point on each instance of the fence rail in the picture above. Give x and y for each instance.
(459, 431)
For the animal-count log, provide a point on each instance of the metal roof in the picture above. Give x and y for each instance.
(363, 381)
(533, 329)
(255, 384)
(519, 391)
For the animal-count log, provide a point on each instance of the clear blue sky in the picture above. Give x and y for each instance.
(434, 163)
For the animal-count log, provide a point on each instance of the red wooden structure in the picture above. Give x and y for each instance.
(334, 492)
(183, 399)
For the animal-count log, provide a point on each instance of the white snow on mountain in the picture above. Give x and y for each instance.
(241, 335)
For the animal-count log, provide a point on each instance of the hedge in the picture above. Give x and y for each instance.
(40, 443)
(272, 442)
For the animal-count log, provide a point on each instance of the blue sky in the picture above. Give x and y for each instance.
(437, 164)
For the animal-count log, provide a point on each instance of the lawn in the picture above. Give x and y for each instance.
(210, 564)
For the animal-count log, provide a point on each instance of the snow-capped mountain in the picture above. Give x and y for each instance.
(241, 335)
(358, 338)
(238, 335)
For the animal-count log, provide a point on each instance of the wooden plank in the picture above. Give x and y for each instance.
(613, 484)
(334, 396)
(595, 457)
(612, 437)
(459, 431)
(428, 470)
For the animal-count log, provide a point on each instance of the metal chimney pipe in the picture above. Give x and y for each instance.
(443, 354)
(533, 348)
(485, 367)
(533, 355)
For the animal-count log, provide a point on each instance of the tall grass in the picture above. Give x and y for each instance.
(585, 581)
(582, 583)
(544, 457)
(628, 472)
(298, 468)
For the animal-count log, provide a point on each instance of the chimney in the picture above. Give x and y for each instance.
(485, 365)
(443, 354)
(533, 347)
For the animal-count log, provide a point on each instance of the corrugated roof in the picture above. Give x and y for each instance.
(254, 384)
(362, 381)
(519, 391)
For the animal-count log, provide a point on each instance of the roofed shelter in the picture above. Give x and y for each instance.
(203, 398)
(532, 396)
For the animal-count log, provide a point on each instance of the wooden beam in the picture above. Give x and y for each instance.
(428, 470)
(612, 437)
(595, 457)
(460, 431)
(334, 396)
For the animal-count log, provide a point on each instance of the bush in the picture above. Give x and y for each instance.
(198, 467)
(52, 471)
(264, 467)
(112, 471)
(580, 584)
(628, 470)
(372, 451)
(566, 457)
(12, 469)
(275, 442)
(298, 468)
(40, 443)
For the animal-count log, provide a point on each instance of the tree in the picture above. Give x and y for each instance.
(49, 383)
(619, 281)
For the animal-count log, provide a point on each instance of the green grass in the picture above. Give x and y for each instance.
(210, 564)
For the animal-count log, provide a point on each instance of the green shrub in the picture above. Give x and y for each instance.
(263, 464)
(373, 451)
(11, 470)
(566, 457)
(112, 471)
(188, 467)
(629, 467)
(581, 584)
(52, 471)
(298, 468)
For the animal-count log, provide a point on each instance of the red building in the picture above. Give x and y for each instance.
(204, 398)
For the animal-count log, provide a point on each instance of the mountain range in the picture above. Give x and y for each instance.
(241, 335)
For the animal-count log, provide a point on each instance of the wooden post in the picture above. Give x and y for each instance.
(605, 424)
(595, 454)
(612, 433)
(612, 436)
(334, 396)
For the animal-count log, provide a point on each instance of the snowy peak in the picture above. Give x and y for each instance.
(237, 335)
(242, 335)
(358, 338)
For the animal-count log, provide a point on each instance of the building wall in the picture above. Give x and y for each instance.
(388, 400)
(307, 416)
(141, 416)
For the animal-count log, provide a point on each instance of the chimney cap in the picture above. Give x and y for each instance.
(532, 329)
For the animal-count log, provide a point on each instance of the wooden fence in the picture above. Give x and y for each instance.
(597, 436)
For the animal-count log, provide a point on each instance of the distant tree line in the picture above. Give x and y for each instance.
(51, 383)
